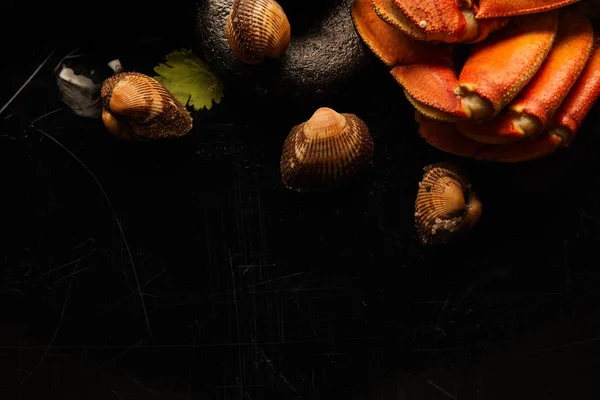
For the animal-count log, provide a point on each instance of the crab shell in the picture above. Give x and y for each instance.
(531, 76)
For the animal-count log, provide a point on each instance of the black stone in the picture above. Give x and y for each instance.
(324, 56)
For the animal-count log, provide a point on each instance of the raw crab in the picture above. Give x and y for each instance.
(531, 76)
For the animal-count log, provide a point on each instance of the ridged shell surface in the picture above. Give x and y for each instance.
(325, 151)
(136, 106)
(257, 29)
(445, 206)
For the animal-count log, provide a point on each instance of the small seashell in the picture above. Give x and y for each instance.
(257, 29)
(136, 106)
(445, 206)
(325, 151)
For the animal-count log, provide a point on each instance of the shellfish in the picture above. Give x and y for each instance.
(257, 29)
(445, 206)
(136, 106)
(325, 151)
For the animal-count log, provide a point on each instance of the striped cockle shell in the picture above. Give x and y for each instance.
(325, 151)
(257, 29)
(445, 206)
(136, 106)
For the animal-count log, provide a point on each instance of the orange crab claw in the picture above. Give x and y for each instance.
(573, 110)
(445, 137)
(492, 76)
(525, 150)
(389, 44)
(507, 8)
(447, 21)
(447, 24)
(566, 121)
(430, 89)
(529, 113)
(497, 70)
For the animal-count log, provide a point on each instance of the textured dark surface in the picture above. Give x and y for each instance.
(324, 55)
(251, 291)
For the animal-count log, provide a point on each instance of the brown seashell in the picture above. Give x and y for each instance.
(257, 29)
(445, 207)
(136, 106)
(325, 151)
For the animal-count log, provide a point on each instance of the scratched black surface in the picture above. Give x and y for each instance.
(250, 291)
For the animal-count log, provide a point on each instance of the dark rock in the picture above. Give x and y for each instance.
(324, 56)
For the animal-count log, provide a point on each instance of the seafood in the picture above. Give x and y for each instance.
(530, 78)
(257, 29)
(445, 207)
(325, 151)
(138, 107)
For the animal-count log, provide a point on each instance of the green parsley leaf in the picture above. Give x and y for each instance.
(188, 77)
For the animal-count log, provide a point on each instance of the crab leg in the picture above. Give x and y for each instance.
(580, 100)
(529, 113)
(498, 69)
(445, 137)
(389, 44)
(492, 76)
(566, 121)
(494, 73)
(525, 150)
(507, 8)
(437, 20)
(424, 61)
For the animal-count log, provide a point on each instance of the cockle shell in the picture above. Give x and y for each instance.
(257, 29)
(136, 106)
(325, 151)
(445, 206)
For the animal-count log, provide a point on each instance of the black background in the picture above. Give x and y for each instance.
(251, 291)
